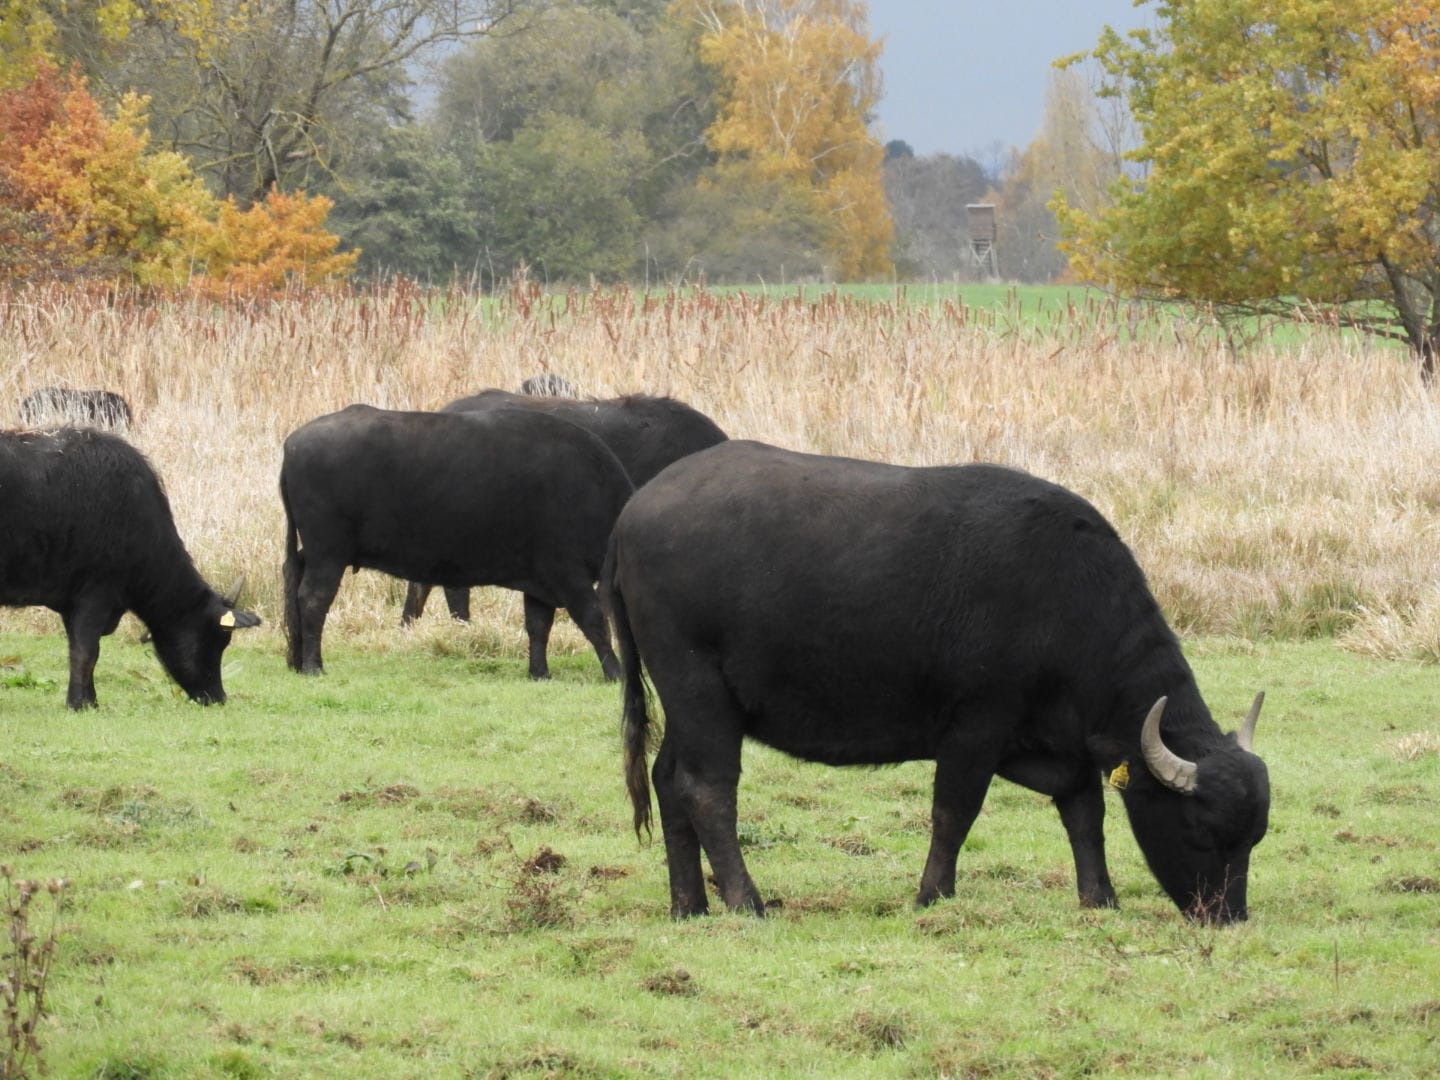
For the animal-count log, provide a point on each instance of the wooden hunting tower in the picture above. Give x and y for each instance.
(981, 219)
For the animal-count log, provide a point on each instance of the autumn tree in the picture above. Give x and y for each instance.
(59, 32)
(797, 80)
(1291, 150)
(82, 191)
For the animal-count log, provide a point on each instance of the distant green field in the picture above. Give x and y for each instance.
(421, 865)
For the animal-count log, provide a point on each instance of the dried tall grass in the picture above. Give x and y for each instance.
(1284, 490)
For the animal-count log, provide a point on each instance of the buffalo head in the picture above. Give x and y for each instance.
(1197, 821)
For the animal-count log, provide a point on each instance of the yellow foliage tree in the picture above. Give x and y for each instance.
(797, 81)
(1291, 151)
(31, 30)
(275, 243)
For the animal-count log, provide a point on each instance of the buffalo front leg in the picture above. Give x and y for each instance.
(1082, 812)
(539, 618)
(1074, 785)
(84, 642)
(89, 619)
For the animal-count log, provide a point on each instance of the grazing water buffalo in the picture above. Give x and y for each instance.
(645, 433)
(549, 384)
(849, 612)
(507, 497)
(88, 533)
(59, 405)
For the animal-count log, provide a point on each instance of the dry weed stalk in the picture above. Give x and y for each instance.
(1280, 490)
(25, 974)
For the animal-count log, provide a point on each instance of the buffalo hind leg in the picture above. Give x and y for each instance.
(696, 790)
(416, 593)
(963, 768)
(1075, 788)
(539, 618)
(317, 592)
(584, 608)
(682, 845)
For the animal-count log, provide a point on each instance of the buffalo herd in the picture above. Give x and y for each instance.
(842, 611)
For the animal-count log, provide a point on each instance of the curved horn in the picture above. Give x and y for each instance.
(231, 596)
(1247, 729)
(1165, 765)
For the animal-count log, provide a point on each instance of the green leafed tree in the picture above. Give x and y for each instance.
(407, 206)
(558, 198)
(1289, 158)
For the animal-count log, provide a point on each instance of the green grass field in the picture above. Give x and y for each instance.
(420, 865)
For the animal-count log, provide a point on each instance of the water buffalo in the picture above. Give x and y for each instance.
(646, 433)
(60, 405)
(507, 497)
(549, 384)
(849, 612)
(88, 533)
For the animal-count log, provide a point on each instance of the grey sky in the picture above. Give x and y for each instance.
(961, 76)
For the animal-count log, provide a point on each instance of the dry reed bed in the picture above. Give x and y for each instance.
(1285, 490)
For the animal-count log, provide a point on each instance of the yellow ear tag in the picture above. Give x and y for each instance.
(228, 620)
(1120, 776)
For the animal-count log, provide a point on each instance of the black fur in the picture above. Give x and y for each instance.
(89, 534)
(509, 497)
(849, 612)
(646, 433)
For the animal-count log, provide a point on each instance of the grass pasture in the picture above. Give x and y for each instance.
(420, 865)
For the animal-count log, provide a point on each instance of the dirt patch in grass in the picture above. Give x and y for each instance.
(544, 861)
(389, 795)
(1411, 884)
(676, 982)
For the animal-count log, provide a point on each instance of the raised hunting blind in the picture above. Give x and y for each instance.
(980, 217)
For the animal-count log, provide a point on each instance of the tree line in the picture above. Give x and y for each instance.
(640, 140)
(1259, 156)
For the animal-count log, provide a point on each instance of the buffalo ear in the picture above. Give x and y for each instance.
(238, 620)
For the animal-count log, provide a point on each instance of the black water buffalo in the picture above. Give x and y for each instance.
(549, 384)
(849, 613)
(507, 497)
(646, 433)
(60, 405)
(88, 533)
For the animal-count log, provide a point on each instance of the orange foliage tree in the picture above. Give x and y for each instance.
(108, 203)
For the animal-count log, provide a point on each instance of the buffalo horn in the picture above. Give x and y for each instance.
(1165, 765)
(1247, 729)
(231, 596)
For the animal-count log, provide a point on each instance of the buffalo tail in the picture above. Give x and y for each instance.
(635, 718)
(294, 571)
